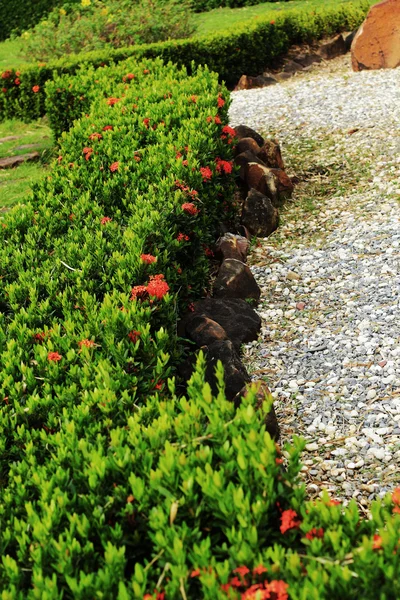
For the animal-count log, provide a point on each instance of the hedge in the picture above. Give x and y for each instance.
(248, 49)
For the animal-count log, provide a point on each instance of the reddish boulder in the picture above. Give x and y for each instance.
(233, 246)
(245, 158)
(271, 155)
(242, 131)
(377, 43)
(284, 185)
(273, 183)
(247, 145)
(246, 82)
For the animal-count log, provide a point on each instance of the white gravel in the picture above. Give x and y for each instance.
(330, 344)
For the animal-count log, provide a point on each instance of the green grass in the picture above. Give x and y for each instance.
(221, 19)
(11, 54)
(16, 183)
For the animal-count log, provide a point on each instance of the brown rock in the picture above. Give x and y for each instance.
(233, 246)
(284, 76)
(240, 322)
(14, 161)
(306, 60)
(273, 183)
(242, 131)
(348, 39)
(271, 155)
(333, 48)
(292, 66)
(259, 215)
(235, 374)
(262, 393)
(204, 331)
(246, 82)
(235, 280)
(247, 145)
(284, 185)
(377, 43)
(243, 159)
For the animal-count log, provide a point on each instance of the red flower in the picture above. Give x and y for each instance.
(259, 570)
(71, 217)
(182, 237)
(139, 292)
(208, 252)
(95, 136)
(108, 128)
(229, 130)
(137, 158)
(6, 74)
(236, 582)
(146, 71)
(193, 99)
(87, 343)
(54, 356)
(112, 101)
(223, 166)
(17, 81)
(191, 307)
(39, 337)
(157, 287)
(4, 90)
(87, 150)
(105, 220)
(195, 573)
(114, 167)
(134, 336)
(279, 588)
(377, 543)
(289, 520)
(278, 461)
(209, 119)
(396, 496)
(35, 89)
(217, 120)
(59, 159)
(129, 76)
(206, 173)
(148, 259)
(146, 122)
(189, 208)
(159, 386)
(242, 571)
(315, 533)
(333, 503)
(220, 102)
(272, 22)
(185, 162)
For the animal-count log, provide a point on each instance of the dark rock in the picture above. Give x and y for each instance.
(235, 280)
(235, 374)
(306, 60)
(259, 215)
(292, 66)
(262, 394)
(241, 323)
(284, 76)
(14, 161)
(333, 48)
(242, 131)
(271, 155)
(243, 159)
(204, 331)
(348, 39)
(233, 246)
(247, 145)
(376, 44)
(246, 82)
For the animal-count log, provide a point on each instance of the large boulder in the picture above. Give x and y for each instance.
(233, 246)
(333, 48)
(271, 155)
(247, 145)
(273, 183)
(242, 131)
(235, 374)
(377, 43)
(235, 280)
(259, 215)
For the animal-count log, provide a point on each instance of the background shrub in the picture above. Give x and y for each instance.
(110, 24)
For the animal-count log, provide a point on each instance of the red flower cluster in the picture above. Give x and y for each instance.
(184, 188)
(146, 71)
(148, 259)
(289, 520)
(208, 252)
(216, 120)
(229, 130)
(114, 167)
(315, 533)
(206, 173)
(377, 542)
(112, 101)
(266, 590)
(220, 101)
(6, 74)
(87, 343)
(181, 237)
(17, 81)
(54, 356)
(156, 287)
(87, 152)
(108, 128)
(193, 99)
(39, 337)
(396, 500)
(190, 209)
(128, 77)
(146, 123)
(223, 166)
(35, 89)
(95, 136)
(105, 220)
(134, 336)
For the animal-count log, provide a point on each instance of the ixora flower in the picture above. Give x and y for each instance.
(87, 343)
(139, 292)
(220, 101)
(54, 356)
(114, 167)
(112, 101)
(189, 208)
(223, 166)
(229, 130)
(148, 259)
(289, 520)
(134, 336)
(105, 220)
(206, 173)
(157, 286)
(6, 74)
(95, 136)
(182, 237)
(315, 533)
(128, 77)
(108, 128)
(35, 89)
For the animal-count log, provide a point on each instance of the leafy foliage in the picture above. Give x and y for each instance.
(98, 25)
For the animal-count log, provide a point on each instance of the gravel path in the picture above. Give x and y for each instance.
(330, 343)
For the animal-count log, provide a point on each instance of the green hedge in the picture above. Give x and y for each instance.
(17, 16)
(248, 49)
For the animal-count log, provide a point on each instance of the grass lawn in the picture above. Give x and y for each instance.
(11, 54)
(15, 183)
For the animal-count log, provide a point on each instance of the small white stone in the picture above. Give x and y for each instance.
(312, 447)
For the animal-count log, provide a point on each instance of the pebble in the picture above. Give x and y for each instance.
(334, 364)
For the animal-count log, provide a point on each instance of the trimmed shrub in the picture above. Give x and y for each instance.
(248, 49)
